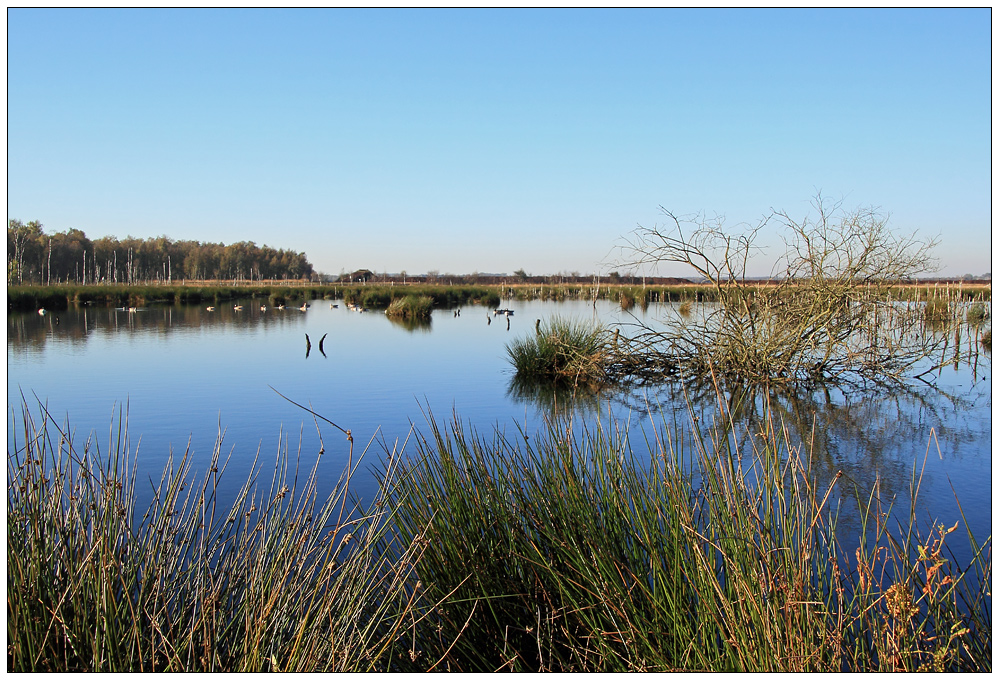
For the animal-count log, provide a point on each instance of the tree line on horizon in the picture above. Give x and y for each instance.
(35, 257)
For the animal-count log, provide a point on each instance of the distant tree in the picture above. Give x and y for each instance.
(36, 257)
(24, 250)
(521, 275)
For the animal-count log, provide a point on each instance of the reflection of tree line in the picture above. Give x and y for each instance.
(873, 436)
(77, 326)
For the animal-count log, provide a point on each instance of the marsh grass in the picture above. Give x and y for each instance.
(626, 299)
(938, 309)
(411, 307)
(564, 352)
(279, 580)
(577, 552)
(977, 313)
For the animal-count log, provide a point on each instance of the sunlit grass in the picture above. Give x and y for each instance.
(585, 552)
(579, 549)
(561, 351)
(278, 579)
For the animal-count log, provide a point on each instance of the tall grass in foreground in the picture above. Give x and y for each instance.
(583, 553)
(567, 552)
(278, 580)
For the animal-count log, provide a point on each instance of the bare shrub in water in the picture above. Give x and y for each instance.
(826, 313)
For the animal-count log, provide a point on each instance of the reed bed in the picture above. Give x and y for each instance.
(578, 552)
(572, 551)
(278, 580)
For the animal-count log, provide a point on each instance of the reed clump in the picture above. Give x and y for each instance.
(564, 352)
(626, 299)
(411, 307)
(977, 313)
(937, 309)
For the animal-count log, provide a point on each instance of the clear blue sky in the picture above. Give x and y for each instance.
(492, 140)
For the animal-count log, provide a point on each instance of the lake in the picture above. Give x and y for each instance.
(185, 372)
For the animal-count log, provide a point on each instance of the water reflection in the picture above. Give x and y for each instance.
(79, 324)
(554, 400)
(411, 324)
(877, 438)
(187, 371)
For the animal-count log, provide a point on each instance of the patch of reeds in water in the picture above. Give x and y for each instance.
(937, 309)
(572, 551)
(278, 580)
(977, 313)
(561, 351)
(576, 552)
(411, 307)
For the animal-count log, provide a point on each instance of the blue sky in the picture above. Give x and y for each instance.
(492, 140)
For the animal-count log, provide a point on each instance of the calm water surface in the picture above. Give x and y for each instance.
(184, 372)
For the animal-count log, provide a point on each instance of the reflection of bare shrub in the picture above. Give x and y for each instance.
(826, 312)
